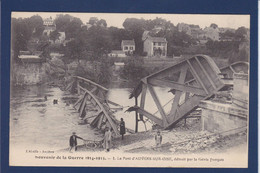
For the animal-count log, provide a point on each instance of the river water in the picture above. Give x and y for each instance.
(37, 122)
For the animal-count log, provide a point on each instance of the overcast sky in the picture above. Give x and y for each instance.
(117, 19)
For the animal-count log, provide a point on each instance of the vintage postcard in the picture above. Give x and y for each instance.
(129, 90)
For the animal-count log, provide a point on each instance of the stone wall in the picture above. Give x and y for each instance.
(28, 74)
(217, 117)
(241, 90)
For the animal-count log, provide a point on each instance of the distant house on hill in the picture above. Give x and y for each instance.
(212, 33)
(49, 26)
(183, 27)
(128, 46)
(158, 28)
(196, 31)
(155, 46)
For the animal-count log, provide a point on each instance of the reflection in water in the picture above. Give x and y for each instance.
(36, 122)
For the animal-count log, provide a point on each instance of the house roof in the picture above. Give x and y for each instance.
(48, 21)
(28, 57)
(128, 42)
(157, 39)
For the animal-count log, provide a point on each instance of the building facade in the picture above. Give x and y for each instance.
(212, 33)
(155, 46)
(128, 46)
(49, 26)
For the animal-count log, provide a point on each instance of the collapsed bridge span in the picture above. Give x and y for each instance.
(189, 81)
(93, 105)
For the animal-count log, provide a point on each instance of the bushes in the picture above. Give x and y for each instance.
(134, 69)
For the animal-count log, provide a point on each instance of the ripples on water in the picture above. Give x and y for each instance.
(39, 123)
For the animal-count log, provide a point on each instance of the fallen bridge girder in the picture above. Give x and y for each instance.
(203, 81)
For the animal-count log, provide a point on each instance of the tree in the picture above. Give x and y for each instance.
(90, 44)
(76, 49)
(73, 28)
(62, 22)
(36, 23)
(102, 22)
(21, 33)
(227, 34)
(134, 70)
(99, 41)
(54, 35)
(68, 24)
(117, 35)
(135, 28)
(241, 33)
(93, 20)
(213, 25)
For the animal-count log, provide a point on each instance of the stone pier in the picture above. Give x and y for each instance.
(226, 117)
(219, 117)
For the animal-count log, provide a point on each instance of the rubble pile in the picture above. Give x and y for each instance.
(198, 142)
(186, 138)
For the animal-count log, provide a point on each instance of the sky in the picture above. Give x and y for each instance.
(117, 19)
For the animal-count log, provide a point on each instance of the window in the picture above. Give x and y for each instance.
(131, 48)
(126, 48)
(154, 43)
(159, 44)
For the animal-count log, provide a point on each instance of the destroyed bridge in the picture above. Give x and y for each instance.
(191, 81)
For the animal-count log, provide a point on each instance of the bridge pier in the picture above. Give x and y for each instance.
(220, 117)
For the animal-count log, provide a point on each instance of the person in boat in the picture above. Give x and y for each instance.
(107, 139)
(122, 128)
(158, 139)
(73, 142)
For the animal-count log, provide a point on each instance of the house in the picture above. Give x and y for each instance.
(195, 31)
(128, 46)
(49, 26)
(212, 33)
(117, 53)
(158, 28)
(183, 27)
(155, 46)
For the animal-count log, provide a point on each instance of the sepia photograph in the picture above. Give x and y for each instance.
(129, 90)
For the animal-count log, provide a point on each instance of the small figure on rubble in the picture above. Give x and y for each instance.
(122, 128)
(73, 142)
(158, 139)
(107, 139)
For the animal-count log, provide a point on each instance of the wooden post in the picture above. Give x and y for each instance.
(136, 116)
